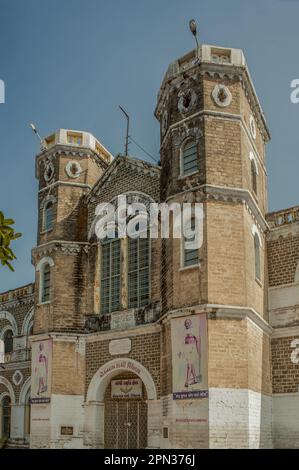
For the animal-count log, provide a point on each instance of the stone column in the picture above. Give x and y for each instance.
(17, 422)
(154, 424)
(94, 424)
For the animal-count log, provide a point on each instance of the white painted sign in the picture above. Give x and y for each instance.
(126, 388)
(120, 346)
(123, 320)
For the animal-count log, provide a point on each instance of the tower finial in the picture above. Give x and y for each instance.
(193, 29)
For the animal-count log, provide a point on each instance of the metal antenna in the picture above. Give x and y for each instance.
(193, 29)
(128, 130)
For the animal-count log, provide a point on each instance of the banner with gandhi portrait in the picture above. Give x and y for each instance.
(41, 371)
(189, 357)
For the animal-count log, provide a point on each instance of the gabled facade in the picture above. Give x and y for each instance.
(145, 343)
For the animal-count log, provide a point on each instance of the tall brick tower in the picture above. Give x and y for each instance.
(69, 164)
(213, 136)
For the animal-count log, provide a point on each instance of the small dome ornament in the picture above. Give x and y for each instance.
(49, 171)
(73, 169)
(222, 96)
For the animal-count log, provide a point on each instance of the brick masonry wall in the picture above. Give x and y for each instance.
(285, 373)
(145, 349)
(8, 374)
(239, 356)
(283, 259)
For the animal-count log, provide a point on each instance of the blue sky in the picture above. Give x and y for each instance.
(70, 63)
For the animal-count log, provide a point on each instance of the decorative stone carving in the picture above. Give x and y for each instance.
(183, 132)
(187, 101)
(17, 378)
(222, 96)
(73, 169)
(49, 171)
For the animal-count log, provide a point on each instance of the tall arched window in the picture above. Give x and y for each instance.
(254, 177)
(138, 272)
(48, 216)
(8, 342)
(257, 256)
(110, 276)
(189, 159)
(190, 256)
(45, 283)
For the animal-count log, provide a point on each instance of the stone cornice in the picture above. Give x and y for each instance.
(68, 150)
(221, 311)
(64, 247)
(65, 183)
(286, 332)
(227, 194)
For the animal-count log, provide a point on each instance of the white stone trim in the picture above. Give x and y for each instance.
(9, 317)
(215, 95)
(48, 198)
(255, 231)
(24, 390)
(10, 389)
(286, 332)
(68, 169)
(252, 126)
(15, 380)
(43, 261)
(253, 159)
(101, 379)
(27, 322)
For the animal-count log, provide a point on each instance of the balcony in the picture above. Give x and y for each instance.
(21, 355)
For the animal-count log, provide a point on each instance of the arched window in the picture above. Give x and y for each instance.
(138, 272)
(110, 276)
(254, 176)
(8, 342)
(257, 256)
(45, 281)
(190, 255)
(189, 157)
(48, 216)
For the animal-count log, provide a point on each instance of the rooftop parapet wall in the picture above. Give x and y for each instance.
(17, 294)
(283, 217)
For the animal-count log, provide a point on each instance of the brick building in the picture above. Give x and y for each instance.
(142, 342)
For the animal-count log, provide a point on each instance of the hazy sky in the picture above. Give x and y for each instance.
(70, 63)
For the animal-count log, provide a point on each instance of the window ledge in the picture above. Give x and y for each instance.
(182, 177)
(41, 304)
(187, 268)
(43, 232)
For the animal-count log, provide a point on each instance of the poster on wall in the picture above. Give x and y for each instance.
(41, 371)
(189, 357)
